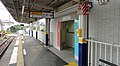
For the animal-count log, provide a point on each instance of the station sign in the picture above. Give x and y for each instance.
(65, 18)
(41, 15)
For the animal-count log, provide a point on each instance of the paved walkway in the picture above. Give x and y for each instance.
(66, 55)
(37, 55)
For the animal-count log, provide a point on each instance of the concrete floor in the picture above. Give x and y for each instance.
(66, 55)
(37, 55)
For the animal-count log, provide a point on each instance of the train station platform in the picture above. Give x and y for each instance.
(66, 55)
(38, 55)
(34, 54)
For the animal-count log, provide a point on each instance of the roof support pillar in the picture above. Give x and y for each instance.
(82, 36)
(47, 34)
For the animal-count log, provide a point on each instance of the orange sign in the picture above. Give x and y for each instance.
(41, 15)
(36, 13)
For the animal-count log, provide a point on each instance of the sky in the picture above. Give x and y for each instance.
(5, 15)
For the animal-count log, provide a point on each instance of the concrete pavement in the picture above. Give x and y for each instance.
(38, 55)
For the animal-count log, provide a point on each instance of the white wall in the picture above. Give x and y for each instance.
(105, 22)
(71, 3)
(34, 33)
(53, 29)
(41, 36)
(51, 38)
(105, 25)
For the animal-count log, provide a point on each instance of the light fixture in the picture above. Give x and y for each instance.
(103, 2)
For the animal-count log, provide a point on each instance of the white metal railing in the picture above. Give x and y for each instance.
(95, 52)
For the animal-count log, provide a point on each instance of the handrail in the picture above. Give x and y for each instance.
(104, 43)
(98, 44)
(108, 63)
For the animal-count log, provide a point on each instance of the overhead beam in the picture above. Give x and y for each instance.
(16, 4)
(29, 20)
(50, 4)
(10, 9)
(4, 1)
(78, 0)
(41, 6)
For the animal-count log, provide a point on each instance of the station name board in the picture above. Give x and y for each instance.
(41, 15)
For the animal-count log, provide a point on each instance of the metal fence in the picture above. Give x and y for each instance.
(103, 54)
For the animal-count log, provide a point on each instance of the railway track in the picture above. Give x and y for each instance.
(5, 44)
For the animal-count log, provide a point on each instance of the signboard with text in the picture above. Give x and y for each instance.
(41, 15)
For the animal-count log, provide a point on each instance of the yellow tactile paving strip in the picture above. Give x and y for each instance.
(72, 64)
(20, 59)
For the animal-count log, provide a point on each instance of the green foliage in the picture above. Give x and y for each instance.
(15, 28)
(4, 32)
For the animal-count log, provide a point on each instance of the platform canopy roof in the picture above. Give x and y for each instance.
(15, 7)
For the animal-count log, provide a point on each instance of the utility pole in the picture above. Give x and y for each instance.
(9, 23)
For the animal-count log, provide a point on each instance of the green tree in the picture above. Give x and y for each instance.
(15, 28)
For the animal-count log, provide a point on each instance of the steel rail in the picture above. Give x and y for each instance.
(4, 45)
